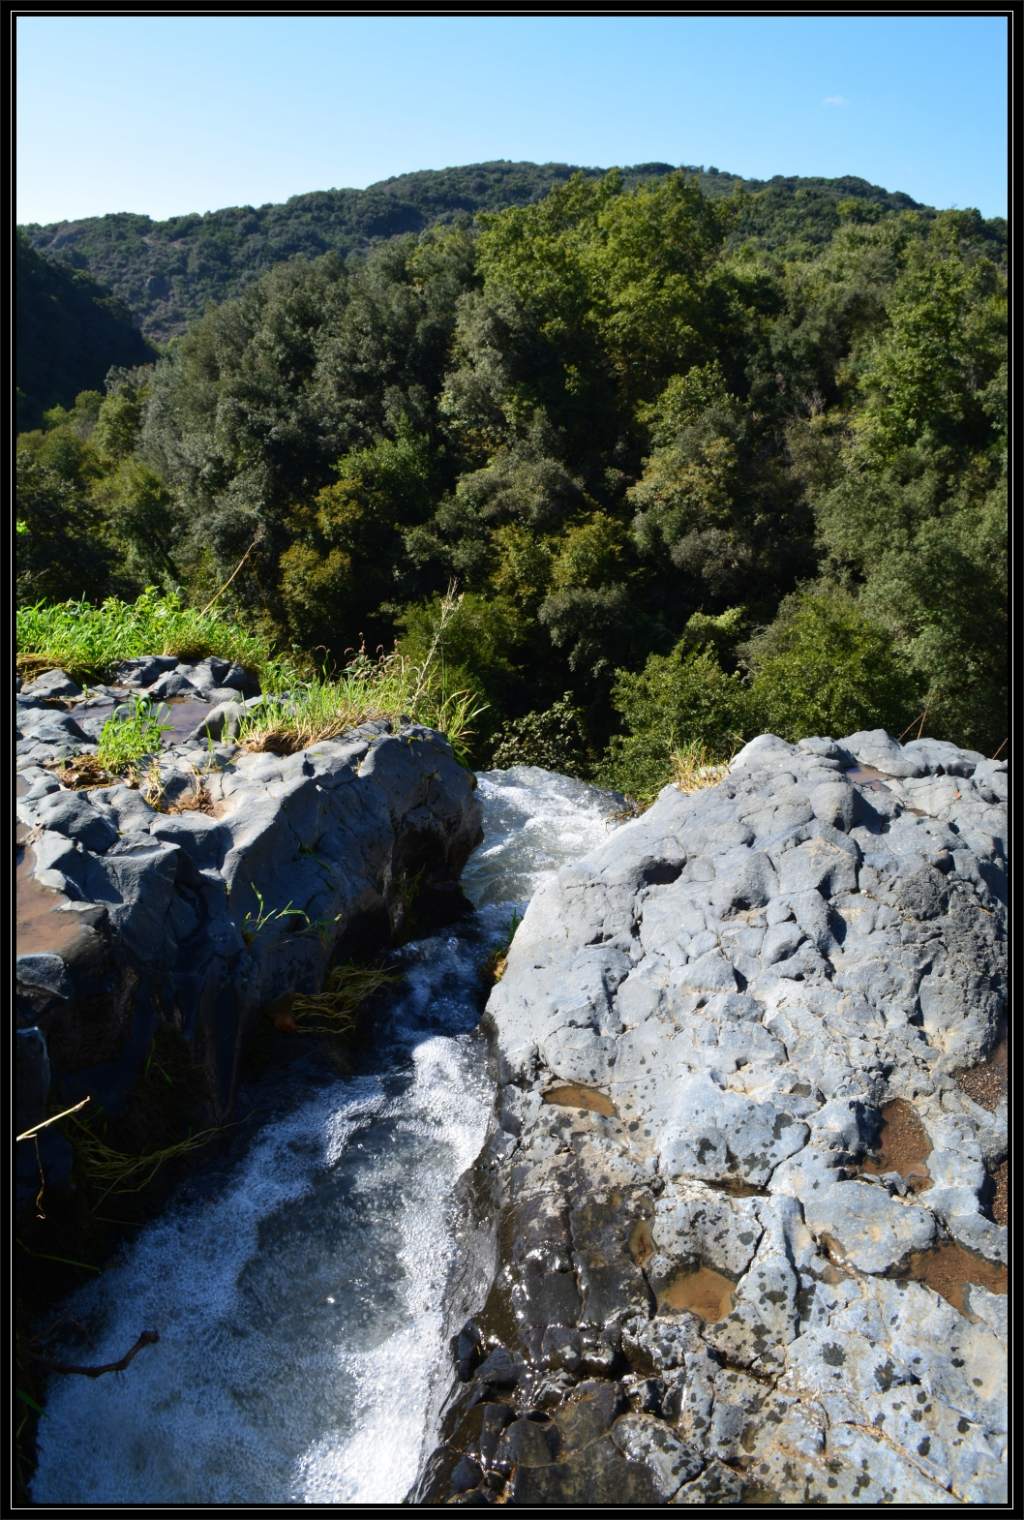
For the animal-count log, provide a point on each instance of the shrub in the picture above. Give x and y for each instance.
(554, 738)
(676, 701)
(824, 667)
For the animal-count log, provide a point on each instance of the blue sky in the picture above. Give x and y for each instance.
(165, 115)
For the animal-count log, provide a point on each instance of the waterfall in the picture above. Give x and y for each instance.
(297, 1288)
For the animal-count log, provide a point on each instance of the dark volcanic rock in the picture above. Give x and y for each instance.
(716, 1277)
(195, 920)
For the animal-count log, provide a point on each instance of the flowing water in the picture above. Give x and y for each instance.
(297, 1292)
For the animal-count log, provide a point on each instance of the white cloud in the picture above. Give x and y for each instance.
(835, 100)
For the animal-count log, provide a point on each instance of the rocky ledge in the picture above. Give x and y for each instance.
(243, 880)
(740, 1218)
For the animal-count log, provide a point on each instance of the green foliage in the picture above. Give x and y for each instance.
(614, 413)
(336, 570)
(124, 741)
(915, 510)
(825, 667)
(168, 272)
(69, 331)
(61, 550)
(395, 687)
(478, 647)
(555, 739)
(676, 701)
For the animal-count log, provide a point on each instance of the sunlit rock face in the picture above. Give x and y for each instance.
(748, 1239)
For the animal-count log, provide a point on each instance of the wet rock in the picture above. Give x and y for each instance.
(144, 670)
(171, 684)
(44, 973)
(221, 722)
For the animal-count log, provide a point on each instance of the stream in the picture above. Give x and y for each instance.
(297, 1289)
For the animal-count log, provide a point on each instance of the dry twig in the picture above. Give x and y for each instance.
(147, 1338)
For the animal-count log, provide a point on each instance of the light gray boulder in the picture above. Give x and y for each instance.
(746, 979)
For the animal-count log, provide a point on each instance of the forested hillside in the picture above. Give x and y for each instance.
(168, 272)
(691, 484)
(69, 331)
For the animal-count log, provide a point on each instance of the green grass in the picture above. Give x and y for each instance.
(125, 741)
(391, 687)
(88, 640)
(335, 1010)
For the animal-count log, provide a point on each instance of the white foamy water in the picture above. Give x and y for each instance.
(298, 1298)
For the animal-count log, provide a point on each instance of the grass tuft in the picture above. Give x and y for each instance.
(694, 767)
(335, 1010)
(81, 772)
(110, 1171)
(391, 687)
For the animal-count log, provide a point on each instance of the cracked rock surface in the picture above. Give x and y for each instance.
(720, 1271)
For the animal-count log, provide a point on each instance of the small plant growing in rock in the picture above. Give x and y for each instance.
(695, 767)
(109, 1171)
(494, 966)
(126, 740)
(254, 923)
(152, 788)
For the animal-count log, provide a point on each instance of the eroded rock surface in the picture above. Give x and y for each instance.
(197, 917)
(766, 1268)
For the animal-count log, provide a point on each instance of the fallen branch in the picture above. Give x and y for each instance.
(1000, 749)
(30, 1134)
(234, 572)
(147, 1338)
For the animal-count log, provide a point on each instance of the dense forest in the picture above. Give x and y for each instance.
(168, 272)
(69, 331)
(700, 465)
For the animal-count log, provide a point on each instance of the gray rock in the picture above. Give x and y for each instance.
(202, 917)
(47, 973)
(72, 814)
(144, 670)
(786, 953)
(221, 722)
(52, 683)
(51, 730)
(171, 684)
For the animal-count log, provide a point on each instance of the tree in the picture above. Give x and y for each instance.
(825, 667)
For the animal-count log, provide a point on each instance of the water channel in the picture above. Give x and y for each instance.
(297, 1288)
